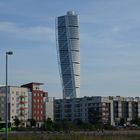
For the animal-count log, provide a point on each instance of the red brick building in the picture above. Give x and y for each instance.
(38, 95)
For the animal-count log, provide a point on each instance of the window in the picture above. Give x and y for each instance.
(2, 111)
(17, 99)
(17, 93)
(23, 93)
(2, 99)
(17, 105)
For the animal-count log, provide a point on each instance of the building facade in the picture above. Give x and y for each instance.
(2, 106)
(25, 103)
(97, 109)
(68, 48)
(126, 108)
(88, 109)
(38, 105)
(18, 104)
(49, 112)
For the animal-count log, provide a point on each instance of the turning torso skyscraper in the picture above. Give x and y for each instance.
(68, 48)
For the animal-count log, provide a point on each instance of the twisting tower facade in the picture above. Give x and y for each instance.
(68, 48)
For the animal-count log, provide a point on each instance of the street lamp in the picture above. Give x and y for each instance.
(6, 118)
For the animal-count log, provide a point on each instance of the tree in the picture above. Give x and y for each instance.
(48, 124)
(16, 121)
(135, 121)
(58, 126)
(65, 125)
(0, 119)
(83, 125)
(78, 122)
(33, 122)
(122, 122)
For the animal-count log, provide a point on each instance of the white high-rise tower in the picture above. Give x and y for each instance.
(68, 48)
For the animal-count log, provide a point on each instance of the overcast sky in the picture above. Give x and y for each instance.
(109, 42)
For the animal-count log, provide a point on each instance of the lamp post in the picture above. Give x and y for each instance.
(6, 118)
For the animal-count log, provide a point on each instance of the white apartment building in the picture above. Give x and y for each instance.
(127, 108)
(18, 103)
(2, 106)
(49, 112)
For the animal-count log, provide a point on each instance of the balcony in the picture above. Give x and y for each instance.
(23, 108)
(23, 102)
(22, 114)
(23, 96)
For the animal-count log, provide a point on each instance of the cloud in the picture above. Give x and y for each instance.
(30, 33)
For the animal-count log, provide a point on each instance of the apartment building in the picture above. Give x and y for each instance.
(127, 108)
(88, 109)
(97, 109)
(38, 98)
(18, 103)
(49, 112)
(2, 106)
(26, 102)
